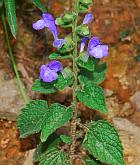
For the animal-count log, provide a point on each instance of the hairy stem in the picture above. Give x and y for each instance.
(75, 84)
(20, 84)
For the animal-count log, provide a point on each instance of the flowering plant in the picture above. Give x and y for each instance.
(101, 140)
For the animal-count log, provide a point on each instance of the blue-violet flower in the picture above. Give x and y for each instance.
(95, 48)
(48, 21)
(88, 18)
(49, 73)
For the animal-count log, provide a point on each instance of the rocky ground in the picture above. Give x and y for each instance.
(117, 23)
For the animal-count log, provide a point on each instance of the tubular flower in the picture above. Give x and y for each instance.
(49, 73)
(88, 18)
(95, 48)
(48, 21)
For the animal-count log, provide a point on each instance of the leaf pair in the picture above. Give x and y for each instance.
(37, 116)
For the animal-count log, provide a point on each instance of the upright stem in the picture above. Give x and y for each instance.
(75, 84)
(20, 84)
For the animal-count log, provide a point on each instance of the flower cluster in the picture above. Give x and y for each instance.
(49, 73)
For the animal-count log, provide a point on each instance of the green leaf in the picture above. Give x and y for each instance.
(58, 56)
(96, 77)
(86, 2)
(43, 87)
(11, 14)
(32, 118)
(83, 30)
(59, 115)
(37, 116)
(66, 139)
(93, 97)
(84, 5)
(52, 142)
(55, 157)
(40, 5)
(90, 161)
(66, 20)
(83, 8)
(102, 141)
(1, 4)
(69, 17)
(60, 84)
(89, 65)
(60, 22)
(67, 48)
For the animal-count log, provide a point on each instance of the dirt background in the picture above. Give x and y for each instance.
(116, 23)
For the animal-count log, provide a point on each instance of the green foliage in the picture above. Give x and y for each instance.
(1, 4)
(97, 76)
(66, 139)
(83, 30)
(54, 157)
(66, 20)
(37, 116)
(42, 87)
(11, 14)
(89, 65)
(40, 5)
(93, 97)
(90, 161)
(102, 141)
(59, 56)
(84, 5)
(59, 84)
(32, 117)
(67, 48)
(52, 142)
(56, 118)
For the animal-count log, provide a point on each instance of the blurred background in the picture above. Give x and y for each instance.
(116, 23)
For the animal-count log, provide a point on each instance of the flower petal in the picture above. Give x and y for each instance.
(50, 24)
(58, 43)
(99, 51)
(38, 25)
(93, 43)
(56, 66)
(48, 75)
(83, 43)
(88, 18)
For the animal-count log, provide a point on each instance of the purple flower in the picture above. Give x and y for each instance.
(48, 21)
(88, 18)
(83, 43)
(49, 73)
(96, 49)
